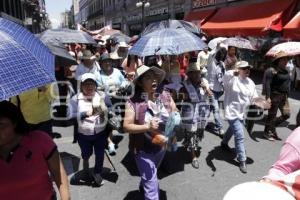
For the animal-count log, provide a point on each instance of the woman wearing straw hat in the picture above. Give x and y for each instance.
(111, 79)
(145, 114)
(195, 109)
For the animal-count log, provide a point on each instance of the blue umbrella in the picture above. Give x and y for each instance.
(25, 62)
(167, 42)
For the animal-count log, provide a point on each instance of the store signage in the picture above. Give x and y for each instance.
(159, 11)
(153, 12)
(205, 3)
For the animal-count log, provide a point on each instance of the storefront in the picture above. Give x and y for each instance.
(245, 19)
(117, 23)
(134, 21)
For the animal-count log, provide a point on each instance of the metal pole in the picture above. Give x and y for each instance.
(143, 15)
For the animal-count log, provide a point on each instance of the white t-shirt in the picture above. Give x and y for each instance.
(81, 69)
(238, 95)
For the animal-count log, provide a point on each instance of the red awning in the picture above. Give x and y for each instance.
(292, 29)
(200, 17)
(251, 19)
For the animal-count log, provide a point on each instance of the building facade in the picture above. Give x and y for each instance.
(30, 13)
(83, 11)
(126, 16)
(95, 14)
(75, 4)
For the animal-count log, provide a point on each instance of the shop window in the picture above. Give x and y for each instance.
(179, 16)
(6, 6)
(1, 6)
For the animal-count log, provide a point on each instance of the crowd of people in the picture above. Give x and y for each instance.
(151, 93)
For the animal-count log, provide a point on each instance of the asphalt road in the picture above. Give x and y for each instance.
(218, 170)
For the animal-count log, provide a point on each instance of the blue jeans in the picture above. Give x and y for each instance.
(88, 143)
(148, 164)
(236, 128)
(216, 110)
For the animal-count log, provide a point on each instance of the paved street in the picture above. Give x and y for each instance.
(217, 173)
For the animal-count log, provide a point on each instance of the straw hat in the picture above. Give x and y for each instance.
(123, 44)
(280, 54)
(242, 64)
(143, 69)
(86, 55)
(115, 56)
(101, 43)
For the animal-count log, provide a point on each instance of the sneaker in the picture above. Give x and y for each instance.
(195, 163)
(276, 137)
(221, 133)
(111, 149)
(268, 136)
(225, 147)
(98, 179)
(243, 167)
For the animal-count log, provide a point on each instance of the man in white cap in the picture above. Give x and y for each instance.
(240, 91)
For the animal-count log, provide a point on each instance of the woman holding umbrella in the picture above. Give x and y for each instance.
(277, 88)
(145, 114)
(231, 58)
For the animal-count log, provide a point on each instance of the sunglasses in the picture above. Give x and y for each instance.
(246, 68)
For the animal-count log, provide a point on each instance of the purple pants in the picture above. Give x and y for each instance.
(148, 164)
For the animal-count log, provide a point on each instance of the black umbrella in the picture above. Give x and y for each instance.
(62, 56)
(173, 24)
(64, 35)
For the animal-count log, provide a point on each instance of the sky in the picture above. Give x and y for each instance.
(54, 8)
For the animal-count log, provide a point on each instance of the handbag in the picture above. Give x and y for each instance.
(115, 121)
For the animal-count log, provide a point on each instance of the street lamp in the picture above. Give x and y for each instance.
(144, 4)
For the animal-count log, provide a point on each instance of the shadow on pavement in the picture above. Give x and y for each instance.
(174, 162)
(81, 178)
(117, 139)
(136, 195)
(129, 163)
(218, 154)
(292, 126)
(71, 162)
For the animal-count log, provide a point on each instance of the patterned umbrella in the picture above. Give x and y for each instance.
(238, 42)
(214, 42)
(285, 49)
(174, 24)
(64, 35)
(25, 62)
(167, 42)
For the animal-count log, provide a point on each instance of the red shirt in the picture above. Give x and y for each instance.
(24, 175)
